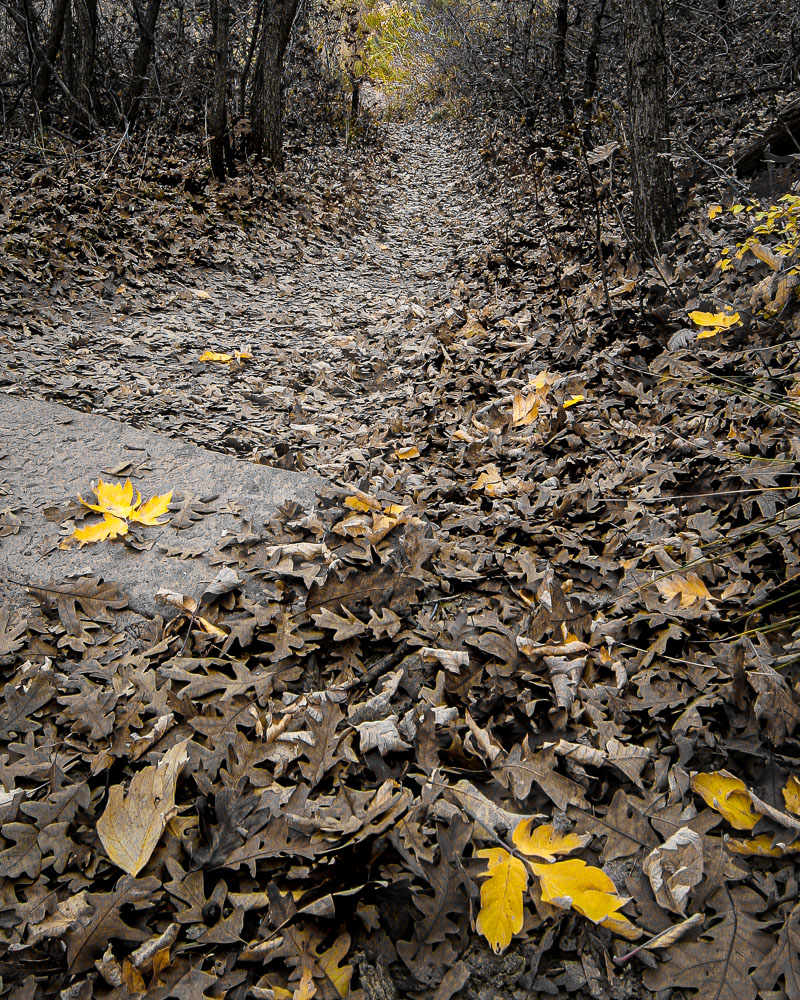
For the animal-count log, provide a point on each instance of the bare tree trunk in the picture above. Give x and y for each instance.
(590, 76)
(78, 51)
(266, 134)
(41, 84)
(561, 58)
(216, 119)
(141, 57)
(655, 199)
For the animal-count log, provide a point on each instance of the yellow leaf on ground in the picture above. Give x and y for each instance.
(490, 481)
(791, 795)
(338, 975)
(524, 409)
(356, 503)
(573, 400)
(132, 824)
(112, 498)
(216, 356)
(690, 589)
(109, 527)
(760, 846)
(729, 796)
(713, 211)
(719, 321)
(200, 294)
(150, 512)
(575, 884)
(543, 841)
(501, 916)
(405, 454)
(306, 989)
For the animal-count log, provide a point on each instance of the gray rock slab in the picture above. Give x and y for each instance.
(49, 454)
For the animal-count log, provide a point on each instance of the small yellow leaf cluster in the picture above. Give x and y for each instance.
(116, 504)
(564, 884)
(712, 323)
(730, 797)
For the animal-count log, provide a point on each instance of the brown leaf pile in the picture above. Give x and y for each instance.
(494, 613)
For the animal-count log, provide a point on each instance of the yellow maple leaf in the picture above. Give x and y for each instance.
(216, 356)
(501, 916)
(150, 512)
(791, 795)
(575, 884)
(114, 499)
(690, 589)
(109, 527)
(543, 841)
(729, 796)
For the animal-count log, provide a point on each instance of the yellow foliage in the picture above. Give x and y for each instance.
(575, 884)
(729, 796)
(689, 588)
(543, 841)
(113, 499)
(501, 916)
(109, 527)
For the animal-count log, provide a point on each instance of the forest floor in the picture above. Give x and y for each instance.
(547, 587)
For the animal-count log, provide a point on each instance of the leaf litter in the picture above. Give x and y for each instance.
(514, 712)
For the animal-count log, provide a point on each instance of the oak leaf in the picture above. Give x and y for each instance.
(690, 589)
(543, 841)
(501, 914)
(132, 824)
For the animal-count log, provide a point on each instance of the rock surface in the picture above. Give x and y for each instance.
(49, 454)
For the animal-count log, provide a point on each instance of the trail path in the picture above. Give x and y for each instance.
(337, 326)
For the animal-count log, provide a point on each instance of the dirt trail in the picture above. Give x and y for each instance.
(336, 325)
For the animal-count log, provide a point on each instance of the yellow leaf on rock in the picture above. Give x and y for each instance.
(501, 916)
(791, 795)
(132, 824)
(543, 841)
(575, 884)
(149, 513)
(112, 498)
(690, 589)
(109, 527)
(729, 796)
(216, 356)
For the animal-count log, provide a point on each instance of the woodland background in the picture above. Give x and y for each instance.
(515, 712)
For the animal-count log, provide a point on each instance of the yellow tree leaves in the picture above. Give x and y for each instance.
(117, 505)
(565, 884)
(132, 824)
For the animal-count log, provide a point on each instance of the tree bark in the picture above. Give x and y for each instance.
(266, 112)
(561, 58)
(41, 84)
(655, 199)
(141, 57)
(217, 119)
